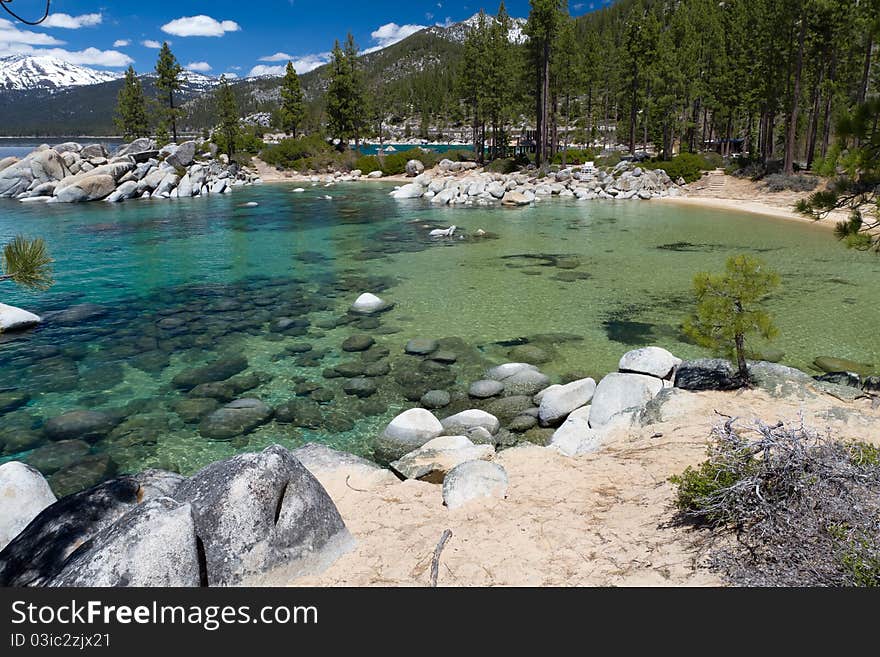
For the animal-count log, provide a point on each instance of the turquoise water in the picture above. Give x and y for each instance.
(371, 149)
(183, 283)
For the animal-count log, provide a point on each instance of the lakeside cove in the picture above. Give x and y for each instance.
(380, 366)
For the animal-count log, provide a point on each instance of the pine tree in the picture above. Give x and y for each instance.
(168, 81)
(131, 108)
(346, 101)
(542, 29)
(27, 263)
(227, 116)
(293, 109)
(729, 308)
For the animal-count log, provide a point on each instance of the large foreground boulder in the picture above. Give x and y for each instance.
(263, 516)
(575, 436)
(618, 392)
(154, 544)
(38, 554)
(24, 493)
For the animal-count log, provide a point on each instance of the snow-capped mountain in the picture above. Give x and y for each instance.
(458, 31)
(18, 72)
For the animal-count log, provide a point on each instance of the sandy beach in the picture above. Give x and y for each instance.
(594, 520)
(720, 191)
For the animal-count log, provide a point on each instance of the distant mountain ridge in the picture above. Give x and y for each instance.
(44, 96)
(21, 72)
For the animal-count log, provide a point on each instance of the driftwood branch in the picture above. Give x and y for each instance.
(435, 562)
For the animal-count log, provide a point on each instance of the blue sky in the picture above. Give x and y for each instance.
(236, 38)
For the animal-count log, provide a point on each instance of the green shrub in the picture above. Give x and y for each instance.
(367, 164)
(684, 165)
(712, 160)
(779, 182)
(696, 486)
(502, 165)
(610, 160)
(395, 163)
(299, 153)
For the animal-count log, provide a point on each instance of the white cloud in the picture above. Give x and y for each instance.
(69, 22)
(121, 43)
(390, 33)
(87, 57)
(200, 67)
(231, 76)
(14, 41)
(447, 23)
(200, 25)
(302, 64)
(150, 43)
(10, 34)
(277, 57)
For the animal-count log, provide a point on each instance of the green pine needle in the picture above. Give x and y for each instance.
(27, 263)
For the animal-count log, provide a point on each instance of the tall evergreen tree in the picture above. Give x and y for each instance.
(293, 109)
(131, 108)
(542, 29)
(227, 116)
(168, 71)
(346, 99)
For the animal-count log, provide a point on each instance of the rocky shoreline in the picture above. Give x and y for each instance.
(265, 518)
(460, 183)
(72, 172)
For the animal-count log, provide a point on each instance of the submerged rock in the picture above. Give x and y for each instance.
(219, 370)
(80, 425)
(234, 419)
(421, 346)
(485, 388)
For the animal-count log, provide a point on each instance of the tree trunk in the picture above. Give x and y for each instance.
(791, 132)
(173, 119)
(632, 109)
(866, 70)
(829, 98)
(813, 130)
(742, 367)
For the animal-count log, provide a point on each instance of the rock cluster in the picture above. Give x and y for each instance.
(447, 185)
(71, 172)
(250, 519)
